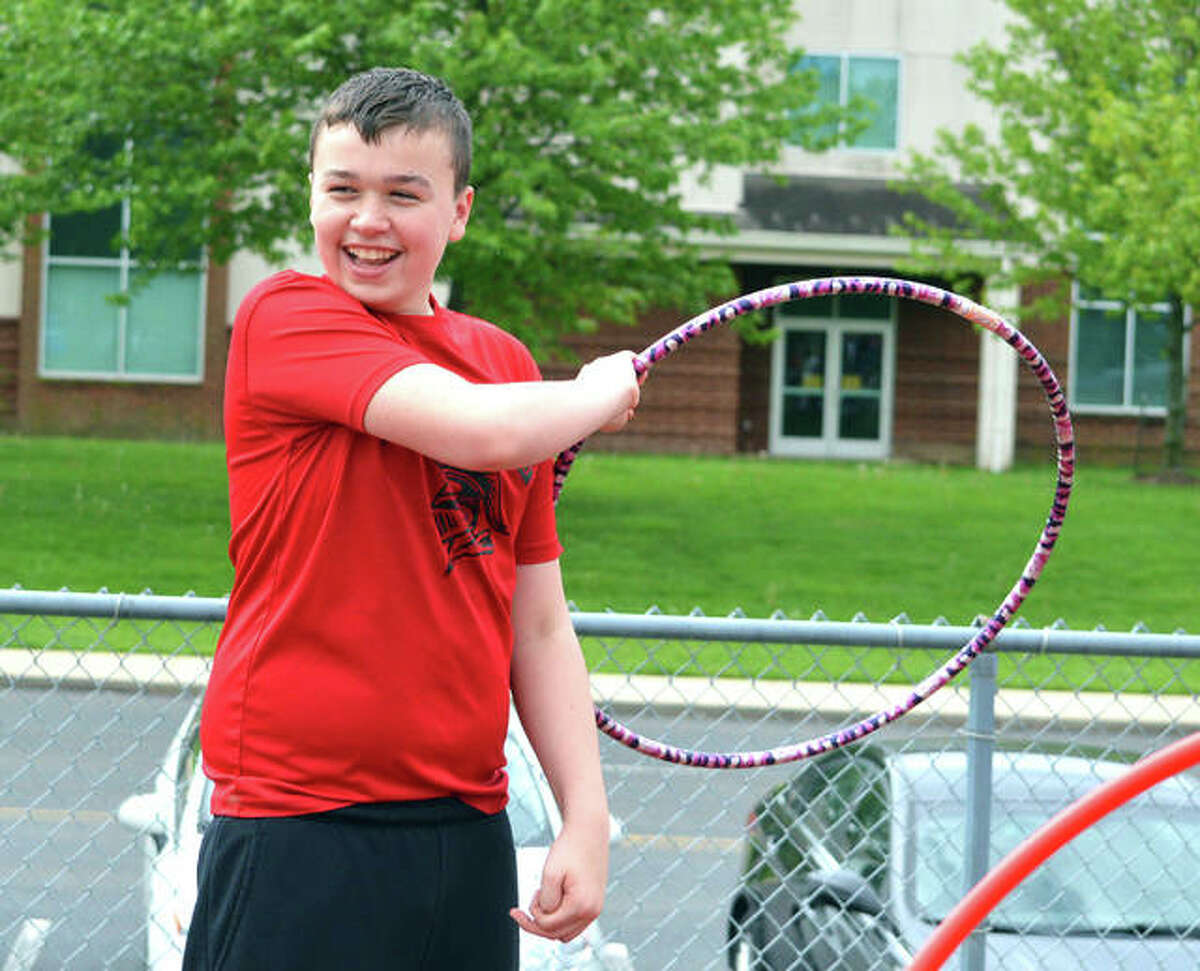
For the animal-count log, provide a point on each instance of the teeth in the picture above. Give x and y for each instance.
(370, 254)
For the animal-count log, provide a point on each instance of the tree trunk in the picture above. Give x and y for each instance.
(456, 299)
(1176, 424)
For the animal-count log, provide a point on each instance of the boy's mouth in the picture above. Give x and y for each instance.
(370, 255)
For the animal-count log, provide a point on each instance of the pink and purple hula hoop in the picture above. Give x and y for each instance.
(969, 311)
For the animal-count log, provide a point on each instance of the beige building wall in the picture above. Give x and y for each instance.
(925, 35)
(10, 284)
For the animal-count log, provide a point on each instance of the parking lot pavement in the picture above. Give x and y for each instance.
(69, 756)
(67, 759)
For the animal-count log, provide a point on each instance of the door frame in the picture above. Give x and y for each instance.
(830, 445)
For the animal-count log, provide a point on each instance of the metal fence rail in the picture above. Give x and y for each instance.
(94, 686)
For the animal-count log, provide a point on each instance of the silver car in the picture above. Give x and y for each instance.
(854, 862)
(171, 819)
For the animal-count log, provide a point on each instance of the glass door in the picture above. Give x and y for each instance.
(832, 386)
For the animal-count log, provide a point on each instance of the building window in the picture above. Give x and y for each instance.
(104, 318)
(871, 83)
(1118, 354)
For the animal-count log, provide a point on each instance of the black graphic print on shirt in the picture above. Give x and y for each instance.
(467, 511)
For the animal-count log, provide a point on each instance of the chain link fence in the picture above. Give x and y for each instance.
(839, 862)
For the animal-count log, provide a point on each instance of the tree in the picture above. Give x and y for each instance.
(586, 114)
(1091, 173)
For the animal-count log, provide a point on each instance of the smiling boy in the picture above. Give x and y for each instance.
(396, 583)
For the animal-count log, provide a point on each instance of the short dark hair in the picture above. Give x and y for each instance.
(389, 97)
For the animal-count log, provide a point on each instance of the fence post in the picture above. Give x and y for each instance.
(981, 738)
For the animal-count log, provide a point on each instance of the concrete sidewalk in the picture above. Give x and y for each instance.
(842, 701)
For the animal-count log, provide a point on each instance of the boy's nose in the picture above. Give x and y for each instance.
(370, 215)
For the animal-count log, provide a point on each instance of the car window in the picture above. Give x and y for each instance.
(205, 805)
(833, 814)
(1131, 871)
(185, 771)
(526, 806)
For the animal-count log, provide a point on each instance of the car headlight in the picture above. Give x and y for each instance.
(588, 952)
(615, 957)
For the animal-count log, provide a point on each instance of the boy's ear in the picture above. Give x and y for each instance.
(462, 213)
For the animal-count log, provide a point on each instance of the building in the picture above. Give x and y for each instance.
(848, 378)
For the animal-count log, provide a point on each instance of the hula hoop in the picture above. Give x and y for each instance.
(1051, 837)
(969, 311)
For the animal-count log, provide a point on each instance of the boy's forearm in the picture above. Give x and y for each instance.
(555, 706)
(552, 694)
(551, 690)
(497, 426)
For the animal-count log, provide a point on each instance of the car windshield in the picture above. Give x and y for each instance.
(526, 811)
(1134, 871)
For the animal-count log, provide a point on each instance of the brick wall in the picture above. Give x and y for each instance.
(690, 401)
(754, 398)
(9, 328)
(714, 394)
(936, 403)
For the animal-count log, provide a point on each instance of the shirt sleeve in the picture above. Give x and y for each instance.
(313, 353)
(537, 539)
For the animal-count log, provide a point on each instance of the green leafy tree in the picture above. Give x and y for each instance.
(586, 113)
(1091, 172)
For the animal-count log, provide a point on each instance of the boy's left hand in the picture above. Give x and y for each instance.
(571, 895)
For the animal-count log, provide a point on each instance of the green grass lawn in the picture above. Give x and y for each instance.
(86, 514)
(878, 538)
(677, 533)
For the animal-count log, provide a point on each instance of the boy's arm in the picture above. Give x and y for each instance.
(553, 697)
(500, 426)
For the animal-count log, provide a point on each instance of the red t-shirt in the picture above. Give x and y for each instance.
(365, 656)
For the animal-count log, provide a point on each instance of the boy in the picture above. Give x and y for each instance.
(396, 567)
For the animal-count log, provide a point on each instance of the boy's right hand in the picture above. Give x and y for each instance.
(614, 378)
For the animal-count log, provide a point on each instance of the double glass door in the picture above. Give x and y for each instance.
(832, 389)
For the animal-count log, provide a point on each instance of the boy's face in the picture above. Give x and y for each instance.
(384, 213)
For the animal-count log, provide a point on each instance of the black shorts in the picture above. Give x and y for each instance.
(398, 887)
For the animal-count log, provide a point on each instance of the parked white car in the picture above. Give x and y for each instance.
(170, 822)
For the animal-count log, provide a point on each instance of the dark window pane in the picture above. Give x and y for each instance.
(86, 233)
(865, 306)
(859, 418)
(804, 352)
(1150, 360)
(812, 307)
(862, 362)
(802, 415)
(1099, 377)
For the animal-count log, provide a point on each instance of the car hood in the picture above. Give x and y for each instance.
(1036, 952)
(1015, 952)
